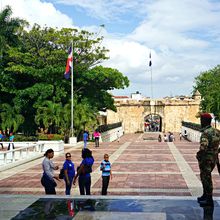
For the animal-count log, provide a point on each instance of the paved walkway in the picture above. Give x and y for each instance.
(141, 166)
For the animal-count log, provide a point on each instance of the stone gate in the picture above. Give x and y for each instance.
(172, 111)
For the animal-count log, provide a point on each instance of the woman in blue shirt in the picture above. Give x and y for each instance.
(69, 173)
(83, 171)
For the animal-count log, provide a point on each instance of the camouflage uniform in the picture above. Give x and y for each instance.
(207, 156)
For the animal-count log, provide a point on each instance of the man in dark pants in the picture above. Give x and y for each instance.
(207, 157)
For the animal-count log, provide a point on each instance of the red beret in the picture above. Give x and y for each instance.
(205, 115)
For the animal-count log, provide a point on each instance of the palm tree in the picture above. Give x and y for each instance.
(10, 117)
(50, 115)
(8, 29)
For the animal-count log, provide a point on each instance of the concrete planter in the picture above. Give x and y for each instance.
(57, 146)
(73, 140)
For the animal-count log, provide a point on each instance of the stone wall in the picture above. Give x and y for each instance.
(172, 112)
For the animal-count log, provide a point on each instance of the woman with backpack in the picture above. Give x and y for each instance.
(69, 173)
(83, 171)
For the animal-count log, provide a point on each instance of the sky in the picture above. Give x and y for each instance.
(183, 37)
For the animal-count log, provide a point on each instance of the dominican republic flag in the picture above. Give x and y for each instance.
(69, 64)
(150, 63)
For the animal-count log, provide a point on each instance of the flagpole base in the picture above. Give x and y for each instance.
(73, 140)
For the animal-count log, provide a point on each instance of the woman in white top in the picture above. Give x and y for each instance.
(48, 176)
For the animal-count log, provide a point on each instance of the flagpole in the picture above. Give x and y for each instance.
(71, 129)
(151, 82)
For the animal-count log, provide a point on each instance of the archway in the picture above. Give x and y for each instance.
(152, 123)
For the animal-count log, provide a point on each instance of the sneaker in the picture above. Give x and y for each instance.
(203, 197)
(206, 202)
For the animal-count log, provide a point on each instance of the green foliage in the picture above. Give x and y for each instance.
(103, 128)
(32, 82)
(54, 137)
(191, 125)
(208, 84)
(11, 119)
(8, 30)
(20, 138)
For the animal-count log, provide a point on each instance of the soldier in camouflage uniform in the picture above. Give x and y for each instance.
(207, 157)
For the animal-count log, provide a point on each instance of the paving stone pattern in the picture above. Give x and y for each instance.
(140, 167)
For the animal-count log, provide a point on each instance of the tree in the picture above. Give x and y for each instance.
(8, 29)
(10, 118)
(208, 84)
(33, 75)
(95, 84)
(49, 114)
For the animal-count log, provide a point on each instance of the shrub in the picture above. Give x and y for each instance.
(21, 137)
(191, 125)
(50, 137)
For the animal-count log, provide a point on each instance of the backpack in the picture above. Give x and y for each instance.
(86, 169)
(61, 175)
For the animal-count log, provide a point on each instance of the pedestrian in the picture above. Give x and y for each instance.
(11, 140)
(69, 173)
(207, 157)
(83, 172)
(47, 179)
(105, 167)
(85, 138)
(180, 136)
(165, 138)
(171, 137)
(1, 139)
(159, 138)
(185, 134)
(118, 135)
(96, 135)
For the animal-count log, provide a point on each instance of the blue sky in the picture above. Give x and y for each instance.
(183, 37)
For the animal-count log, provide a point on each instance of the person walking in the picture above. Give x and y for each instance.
(105, 167)
(207, 157)
(47, 179)
(1, 139)
(11, 140)
(69, 173)
(118, 136)
(96, 135)
(159, 138)
(85, 138)
(83, 172)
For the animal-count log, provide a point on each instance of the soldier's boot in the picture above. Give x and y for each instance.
(208, 201)
(201, 197)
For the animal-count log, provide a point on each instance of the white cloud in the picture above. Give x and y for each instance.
(105, 9)
(183, 37)
(36, 11)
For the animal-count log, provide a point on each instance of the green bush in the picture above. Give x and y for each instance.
(49, 137)
(21, 137)
(191, 125)
(107, 127)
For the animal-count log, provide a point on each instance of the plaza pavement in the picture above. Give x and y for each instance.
(141, 166)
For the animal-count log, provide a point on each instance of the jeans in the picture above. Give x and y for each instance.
(97, 141)
(68, 187)
(105, 182)
(84, 185)
(85, 143)
(49, 185)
